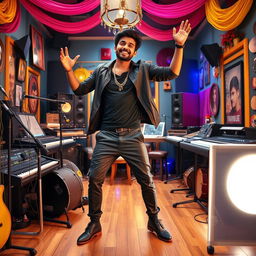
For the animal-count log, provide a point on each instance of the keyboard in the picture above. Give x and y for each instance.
(174, 138)
(24, 166)
(233, 140)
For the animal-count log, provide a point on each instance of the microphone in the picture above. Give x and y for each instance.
(30, 96)
(42, 98)
(3, 91)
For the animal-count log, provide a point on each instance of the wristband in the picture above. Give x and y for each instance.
(179, 46)
(67, 71)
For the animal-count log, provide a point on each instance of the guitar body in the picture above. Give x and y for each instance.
(5, 220)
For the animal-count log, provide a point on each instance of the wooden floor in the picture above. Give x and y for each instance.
(124, 224)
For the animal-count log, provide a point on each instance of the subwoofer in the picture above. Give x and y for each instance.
(185, 110)
(80, 111)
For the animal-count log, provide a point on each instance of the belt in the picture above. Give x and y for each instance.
(120, 130)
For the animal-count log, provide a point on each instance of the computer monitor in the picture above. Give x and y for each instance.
(149, 130)
(30, 122)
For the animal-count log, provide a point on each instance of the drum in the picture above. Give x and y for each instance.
(188, 177)
(202, 183)
(67, 163)
(62, 190)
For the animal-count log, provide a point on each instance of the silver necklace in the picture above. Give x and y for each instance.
(120, 85)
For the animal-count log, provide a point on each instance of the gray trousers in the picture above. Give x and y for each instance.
(109, 146)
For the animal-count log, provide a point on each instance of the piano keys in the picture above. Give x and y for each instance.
(24, 165)
(51, 143)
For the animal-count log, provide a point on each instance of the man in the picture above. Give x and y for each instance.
(235, 115)
(122, 100)
(235, 96)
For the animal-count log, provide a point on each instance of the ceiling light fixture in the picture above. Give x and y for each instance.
(119, 15)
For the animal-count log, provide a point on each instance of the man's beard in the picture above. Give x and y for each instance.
(128, 58)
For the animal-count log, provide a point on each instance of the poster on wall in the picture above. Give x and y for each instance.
(233, 100)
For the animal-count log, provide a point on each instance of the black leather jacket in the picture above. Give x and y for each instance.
(140, 74)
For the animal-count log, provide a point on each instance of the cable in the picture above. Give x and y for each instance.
(200, 221)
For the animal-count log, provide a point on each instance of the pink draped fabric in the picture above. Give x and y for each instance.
(204, 99)
(13, 26)
(62, 26)
(165, 35)
(67, 9)
(179, 9)
(193, 17)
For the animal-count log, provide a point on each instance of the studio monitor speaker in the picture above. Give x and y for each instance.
(80, 111)
(185, 110)
(67, 109)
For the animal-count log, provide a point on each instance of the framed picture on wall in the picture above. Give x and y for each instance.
(10, 70)
(207, 75)
(22, 70)
(154, 86)
(201, 78)
(233, 101)
(1, 55)
(32, 88)
(18, 95)
(37, 48)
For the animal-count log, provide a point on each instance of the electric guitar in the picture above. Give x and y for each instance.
(5, 220)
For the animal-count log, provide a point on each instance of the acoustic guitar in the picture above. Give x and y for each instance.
(5, 220)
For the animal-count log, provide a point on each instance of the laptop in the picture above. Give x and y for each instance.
(149, 130)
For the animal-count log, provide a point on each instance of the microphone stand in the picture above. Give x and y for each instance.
(40, 147)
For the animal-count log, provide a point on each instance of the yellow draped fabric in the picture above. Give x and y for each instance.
(228, 18)
(8, 10)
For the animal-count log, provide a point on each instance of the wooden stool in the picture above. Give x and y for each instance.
(120, 160)
(161, 156)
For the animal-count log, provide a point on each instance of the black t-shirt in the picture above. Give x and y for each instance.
(120, 109)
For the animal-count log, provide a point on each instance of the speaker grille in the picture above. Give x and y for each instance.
(67, 119)
(80, 111)
(185, 110)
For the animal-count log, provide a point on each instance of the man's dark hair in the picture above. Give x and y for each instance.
(234, 83)
(129, 33)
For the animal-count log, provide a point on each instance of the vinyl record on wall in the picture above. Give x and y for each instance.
(81, 74)
(214, 99)
(253, 103)
(164, 57)
(253, 121)
(252, 45)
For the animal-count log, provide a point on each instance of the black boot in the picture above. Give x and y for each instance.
(156, 227)
(93, 229)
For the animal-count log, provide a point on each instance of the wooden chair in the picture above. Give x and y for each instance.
(114, 166)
